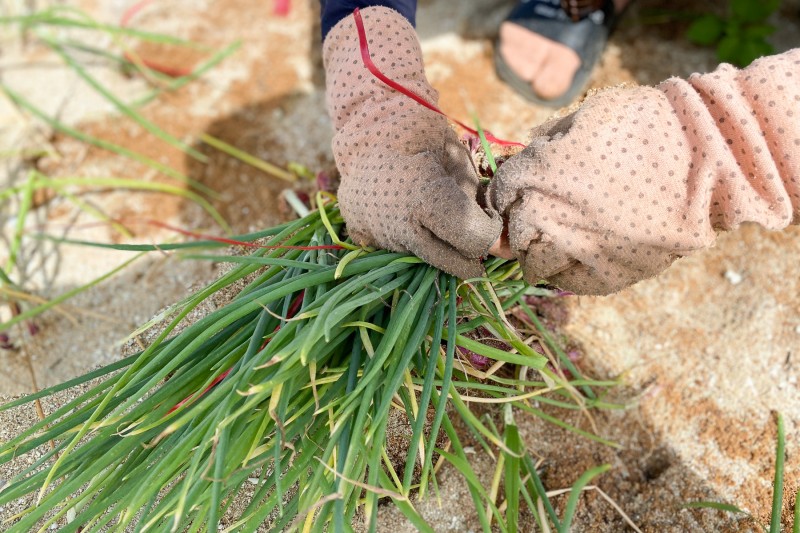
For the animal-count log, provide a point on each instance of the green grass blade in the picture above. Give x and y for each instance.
(100, 52)
(25, 204)
(485, 144)
(539, 490)
(80, 380)
(95, 213)
(533, 361)
(174, 85)
(219, 474)
(119, 104)
(352, 254)
(8, 281)
(777, 491)
(421, 325)
(560, 423)
(50, 18)
(195, 244)
(406, 508)
(39, 309)
(512, 474)
(575, 493)
(446, 373)
(714, 505)
(124, 183)
(251, 160)
(417, 433)
(562, 357)
(250, 260)
(463, 466)
(526, 495)
(106, 145)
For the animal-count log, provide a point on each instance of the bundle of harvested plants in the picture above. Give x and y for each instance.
(286, 391)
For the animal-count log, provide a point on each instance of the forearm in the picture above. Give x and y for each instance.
(334, 11)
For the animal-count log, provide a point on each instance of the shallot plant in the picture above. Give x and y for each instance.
(280, 399)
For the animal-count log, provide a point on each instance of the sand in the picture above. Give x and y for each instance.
(707, 352)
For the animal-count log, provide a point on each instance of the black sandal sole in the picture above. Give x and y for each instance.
(588, 37)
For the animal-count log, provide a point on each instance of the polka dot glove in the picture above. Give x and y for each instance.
(408, 184)
(636, 178)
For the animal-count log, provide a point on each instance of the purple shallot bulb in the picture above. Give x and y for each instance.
(5, 342)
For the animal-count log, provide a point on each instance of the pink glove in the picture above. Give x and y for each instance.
(637, 178)
(408, 184)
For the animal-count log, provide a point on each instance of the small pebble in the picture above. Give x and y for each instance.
(797, 330)
(733, 277)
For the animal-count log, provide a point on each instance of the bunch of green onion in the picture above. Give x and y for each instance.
(288, 389)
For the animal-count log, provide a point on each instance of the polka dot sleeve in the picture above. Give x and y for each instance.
(744, 133)
(637, 178)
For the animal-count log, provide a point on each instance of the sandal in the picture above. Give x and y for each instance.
(585, 29)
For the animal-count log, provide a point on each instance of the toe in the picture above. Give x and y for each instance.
(548, 65)
(556, 72)
(521, 49)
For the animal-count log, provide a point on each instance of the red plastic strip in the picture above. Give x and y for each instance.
(174, 72)
(367, 59)
(132, 11)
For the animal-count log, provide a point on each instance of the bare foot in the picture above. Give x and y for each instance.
(550, 66)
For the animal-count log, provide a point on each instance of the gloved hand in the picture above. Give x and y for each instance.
(408, 184)
(637, 178)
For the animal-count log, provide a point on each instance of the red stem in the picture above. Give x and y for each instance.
(365, 57)
(174, 72)
(192, 398)
(223, 240)
(132, 11)
(295, 307)
(200, 236)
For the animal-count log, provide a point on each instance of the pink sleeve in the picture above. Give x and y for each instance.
(638, 177)
(743, 133)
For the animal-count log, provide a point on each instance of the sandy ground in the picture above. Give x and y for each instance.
(707, 351)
